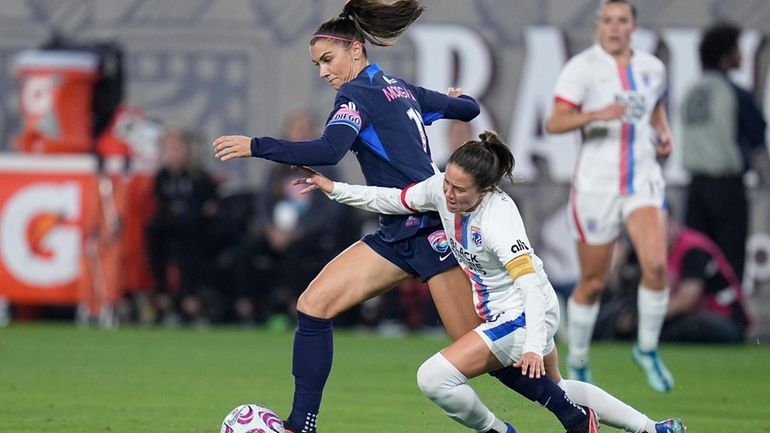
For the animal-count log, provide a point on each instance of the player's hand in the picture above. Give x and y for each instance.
(611, 112)
(663, 149)
(232, 146)
(454, 92)
(531, 364)
(314, 180)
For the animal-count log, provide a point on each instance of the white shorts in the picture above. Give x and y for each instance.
(598, 217)
(505, 336)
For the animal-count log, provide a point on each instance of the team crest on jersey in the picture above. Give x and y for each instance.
(476, 235)
(438, 241)
(646, 79)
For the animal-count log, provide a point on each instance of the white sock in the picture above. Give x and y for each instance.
(580, 327)
(610, 410)
(650, 427)
(441, 382)
(652, 311)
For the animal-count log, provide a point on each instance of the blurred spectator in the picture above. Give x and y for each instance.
(706, 303)
(721, 128)
(286, 247)
(290, 239)
(458, 132)
(177, 242)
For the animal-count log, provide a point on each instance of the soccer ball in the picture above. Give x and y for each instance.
(252, 418)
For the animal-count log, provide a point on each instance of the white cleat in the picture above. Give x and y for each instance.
(658, 376)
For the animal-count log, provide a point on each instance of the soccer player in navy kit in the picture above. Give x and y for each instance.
(381, 119)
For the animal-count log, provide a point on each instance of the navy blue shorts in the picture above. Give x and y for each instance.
(425, 254)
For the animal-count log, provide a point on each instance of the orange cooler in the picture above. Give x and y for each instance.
(56, 94)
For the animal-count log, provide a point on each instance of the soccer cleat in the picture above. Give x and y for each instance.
(673, 425)
(288, 429)
(583, 374)
(590, 425)
(509, 428)
(658, 376)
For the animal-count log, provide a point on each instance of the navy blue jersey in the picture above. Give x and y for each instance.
(380, 119)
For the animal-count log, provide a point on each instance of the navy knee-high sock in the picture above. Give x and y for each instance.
(544, 391)
(311, 365)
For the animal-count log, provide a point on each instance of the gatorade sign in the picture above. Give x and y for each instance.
(42, 206)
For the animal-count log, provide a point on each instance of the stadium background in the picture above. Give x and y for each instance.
(239, 66)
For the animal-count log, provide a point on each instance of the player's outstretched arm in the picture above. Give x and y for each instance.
(232, 146)
(314, 180)
(369, 198)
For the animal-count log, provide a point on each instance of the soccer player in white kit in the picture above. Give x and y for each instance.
(511, 291)
(612, 93)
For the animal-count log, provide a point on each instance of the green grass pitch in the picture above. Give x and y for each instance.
(64, 379)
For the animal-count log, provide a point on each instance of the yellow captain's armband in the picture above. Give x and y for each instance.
(519, 266)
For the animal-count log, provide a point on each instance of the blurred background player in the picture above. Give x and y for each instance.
(618, 181)
(723, 130)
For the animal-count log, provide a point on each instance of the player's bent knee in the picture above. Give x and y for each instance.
(437, 377)
(654, 268)
(313, 303)
(427, 379)
(591, 288)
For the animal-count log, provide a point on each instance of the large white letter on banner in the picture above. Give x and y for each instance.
(683, 70)
(443, 52)
(546, 55)
(61, 263)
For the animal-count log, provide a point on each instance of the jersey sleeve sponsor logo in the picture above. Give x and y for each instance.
(347, 115)
(519, 247)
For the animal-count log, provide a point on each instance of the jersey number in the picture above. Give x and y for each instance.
(415, 116)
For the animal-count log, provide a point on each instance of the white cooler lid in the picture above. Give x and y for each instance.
(82, 61)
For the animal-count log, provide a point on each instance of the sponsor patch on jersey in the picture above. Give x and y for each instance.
(346, 116)
(635, 103)
(519, 247)
(476, 235)
(438, 241)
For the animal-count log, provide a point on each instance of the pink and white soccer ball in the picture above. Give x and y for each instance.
(252, 418)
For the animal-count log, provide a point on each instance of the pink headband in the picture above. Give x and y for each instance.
(338, 38)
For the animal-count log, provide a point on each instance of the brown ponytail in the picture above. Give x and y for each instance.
(370, 20)
(487, 159)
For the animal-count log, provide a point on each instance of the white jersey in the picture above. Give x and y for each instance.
(483, 241)
(616, 156)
